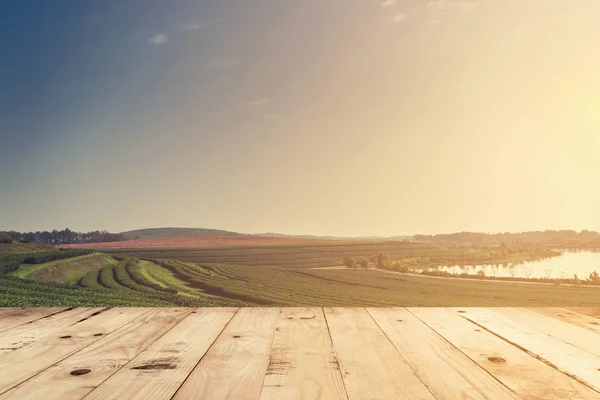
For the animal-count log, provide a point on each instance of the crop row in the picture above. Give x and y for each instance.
(16, 292)
(128, 277)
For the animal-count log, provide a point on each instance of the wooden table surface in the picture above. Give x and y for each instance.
(300, 353)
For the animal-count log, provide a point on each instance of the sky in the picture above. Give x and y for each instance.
(329, 117)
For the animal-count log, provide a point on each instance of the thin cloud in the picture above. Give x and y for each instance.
(191, 27)
(159, 39)
(224, 62)
(256, 102)
(399, 18)
(387, 3)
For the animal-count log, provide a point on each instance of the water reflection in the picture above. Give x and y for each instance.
(561, 267)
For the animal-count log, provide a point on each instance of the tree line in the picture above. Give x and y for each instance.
(548, 238)
(65, 236)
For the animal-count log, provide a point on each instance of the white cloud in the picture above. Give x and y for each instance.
(387, 3)
(256, 102)
(159, 39)
(191, 27)
(224, 62)
(399, 18)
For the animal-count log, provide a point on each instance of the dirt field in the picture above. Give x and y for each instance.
(193, 241)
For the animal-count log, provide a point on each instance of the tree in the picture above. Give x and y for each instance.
(594, 278)
(5, 238)
(384, 261)
(349, 262)
(576, 281)
(362, 262)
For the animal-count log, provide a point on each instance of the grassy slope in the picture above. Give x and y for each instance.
(67, 271)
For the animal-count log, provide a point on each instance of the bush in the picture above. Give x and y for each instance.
(107, 278)
(349, 262)
(42, 257)
(362, 262)
(136, 275)
(90, 280)
(11, 262)
(5, 238)
(384, 261)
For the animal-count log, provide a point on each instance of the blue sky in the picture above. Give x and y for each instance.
(330, 117)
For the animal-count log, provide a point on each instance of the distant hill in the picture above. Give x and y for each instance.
(272, 234)
(175, 232)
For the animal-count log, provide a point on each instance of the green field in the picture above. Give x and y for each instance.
(67, 271)
(264, 276)
(333, 253)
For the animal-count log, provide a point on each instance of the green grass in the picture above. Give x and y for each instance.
(69, 270)
(16, 292)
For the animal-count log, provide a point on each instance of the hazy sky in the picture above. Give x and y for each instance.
(332, 117)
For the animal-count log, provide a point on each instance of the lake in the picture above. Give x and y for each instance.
(563, 266)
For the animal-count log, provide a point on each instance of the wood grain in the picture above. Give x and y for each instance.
(446, 371)
(527, 376)
(302, 364)
(24, 335)
(563, 356)
(13, 317)
(160, 370)
(567, 332)
(32, 359)
(371, 366)
(76, 376)
(236, 364)
(571, 316)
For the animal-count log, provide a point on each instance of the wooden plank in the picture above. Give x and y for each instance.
(591, 311)
(302, 364)
(575, 335)
(565, 357)
(97, 362)
(32, 359)
(371, 366)
(235, 365)
(571, 316)
(446, 371)
(13, 317)
(160, 370)
(24, 335)
(527, 376)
